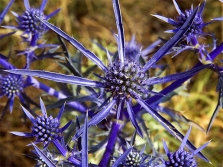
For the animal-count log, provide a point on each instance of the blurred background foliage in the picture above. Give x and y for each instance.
(89, 20)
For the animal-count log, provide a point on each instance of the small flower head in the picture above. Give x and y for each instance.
(182, 157)
(196, 28)
(30, 24)
(132, 48)
(125, 79)
(45, 129)
(11, 85)
(133, 159)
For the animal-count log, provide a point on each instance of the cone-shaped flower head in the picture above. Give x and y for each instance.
(29, 24)
(132, 48)
(196, 28)
(182, 157)
(11, 85)
(133, 159)
(45, 128)
(125, 79)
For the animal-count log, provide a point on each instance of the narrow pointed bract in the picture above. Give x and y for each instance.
(45, 129)
(121, 37)
(44, 157)
(76, 44)
(2, 15)
(58, 77)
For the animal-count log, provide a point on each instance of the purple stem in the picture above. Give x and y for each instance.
(110, 145)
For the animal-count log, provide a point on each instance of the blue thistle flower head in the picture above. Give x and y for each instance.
(182, 157)
(133, 159)
(29, 24)
(125, 80)
(132, 48)
(196, 28)
(11, 85)
(45, 128)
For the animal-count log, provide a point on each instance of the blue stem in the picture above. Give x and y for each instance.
(110, 145)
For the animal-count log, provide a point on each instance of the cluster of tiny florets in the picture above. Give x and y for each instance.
(29, 23)
(133, 159)
(46, 129)
(11, 85)
(197, 25)
(125, 79)
(181, 158)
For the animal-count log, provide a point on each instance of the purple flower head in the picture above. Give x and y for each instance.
(29, 24)
(45, 128)
(11, 85)
(196, 28)
(134, 158)
(124, 80)
(137, 159)
(66, 155)
(132, 48)
(182, 157)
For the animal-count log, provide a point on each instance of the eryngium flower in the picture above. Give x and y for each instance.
(182, 157)
(45, 128)
(124, 78)
(132, 48)
(11, 86)
(133, 159)
(196, 28)
(29, 24)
